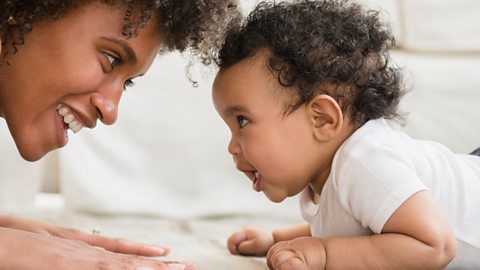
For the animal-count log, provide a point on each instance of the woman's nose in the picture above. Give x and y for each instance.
(106, 104)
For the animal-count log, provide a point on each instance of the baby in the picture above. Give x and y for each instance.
(305, 89)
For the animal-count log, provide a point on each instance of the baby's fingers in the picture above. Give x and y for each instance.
(281, 258)
(288, 264)
(235, 240)
(250, 247)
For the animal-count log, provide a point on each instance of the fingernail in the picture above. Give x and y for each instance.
(144, 268)
(159, 250)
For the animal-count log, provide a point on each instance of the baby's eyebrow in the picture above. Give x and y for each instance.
(131, 56)
(235, 109)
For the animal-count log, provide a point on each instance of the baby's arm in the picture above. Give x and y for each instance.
(416, 236)
(254, 241)
(292, 232)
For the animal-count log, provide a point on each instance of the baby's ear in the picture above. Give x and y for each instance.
(326, 117)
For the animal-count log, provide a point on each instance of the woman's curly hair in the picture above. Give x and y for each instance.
(194, 25)
(330, 46)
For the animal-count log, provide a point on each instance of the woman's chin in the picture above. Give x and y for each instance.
(33, 151)
(32, 155)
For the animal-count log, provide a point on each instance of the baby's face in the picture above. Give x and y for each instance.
(273, 149)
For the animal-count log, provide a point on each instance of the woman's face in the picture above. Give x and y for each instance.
(70, 73)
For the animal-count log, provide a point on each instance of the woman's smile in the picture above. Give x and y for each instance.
(62, 84)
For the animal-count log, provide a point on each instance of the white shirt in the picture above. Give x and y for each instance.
(378, 168)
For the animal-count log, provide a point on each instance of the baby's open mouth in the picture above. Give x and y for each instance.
(256, 181)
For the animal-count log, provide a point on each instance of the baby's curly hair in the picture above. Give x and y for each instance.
(194, 25)
(330, 46)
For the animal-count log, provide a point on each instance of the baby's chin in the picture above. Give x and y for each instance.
(276, 198)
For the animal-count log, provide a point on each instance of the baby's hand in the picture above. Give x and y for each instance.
(303, 253)
(250, 241)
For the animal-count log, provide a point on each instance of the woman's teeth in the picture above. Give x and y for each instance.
(68, 118)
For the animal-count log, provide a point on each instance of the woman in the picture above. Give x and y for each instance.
(63, 66)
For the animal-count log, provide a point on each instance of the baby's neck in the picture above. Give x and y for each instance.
(330, 148)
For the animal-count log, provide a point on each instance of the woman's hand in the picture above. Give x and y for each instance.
(21, 250)
(250, 241)
(110, 244)
(303, 253)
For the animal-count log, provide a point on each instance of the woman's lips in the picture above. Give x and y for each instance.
(61, 130)
(66, 119)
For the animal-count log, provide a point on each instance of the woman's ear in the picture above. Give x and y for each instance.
(326, 117)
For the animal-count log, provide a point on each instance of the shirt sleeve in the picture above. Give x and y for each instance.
(373, 181)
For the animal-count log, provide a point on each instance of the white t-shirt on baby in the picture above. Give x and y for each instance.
(378, 168)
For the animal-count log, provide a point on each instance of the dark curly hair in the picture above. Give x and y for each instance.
(193, 25)
(331, 47)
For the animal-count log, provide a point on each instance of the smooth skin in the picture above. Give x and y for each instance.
(416, 236)
(82, 61)
(28, 244)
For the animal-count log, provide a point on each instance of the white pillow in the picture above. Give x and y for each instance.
(389, 13)
(20, 180)
(441, 25)
(444, 99)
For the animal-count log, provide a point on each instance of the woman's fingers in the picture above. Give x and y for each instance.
(112, 244)
(163, 266)
(179, 266)
(26, 250)
(128, 247)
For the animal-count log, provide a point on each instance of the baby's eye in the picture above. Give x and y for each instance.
(128, 83)
(242, 121)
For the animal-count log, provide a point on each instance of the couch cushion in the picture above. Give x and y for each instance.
(440, 25)
(20, 180)
(389, 13)
(444, 98)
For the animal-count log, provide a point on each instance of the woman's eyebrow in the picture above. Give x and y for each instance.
(131, 56)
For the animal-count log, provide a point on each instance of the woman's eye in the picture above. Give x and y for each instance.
(128, 83)
(242, 121)
(112, 59)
